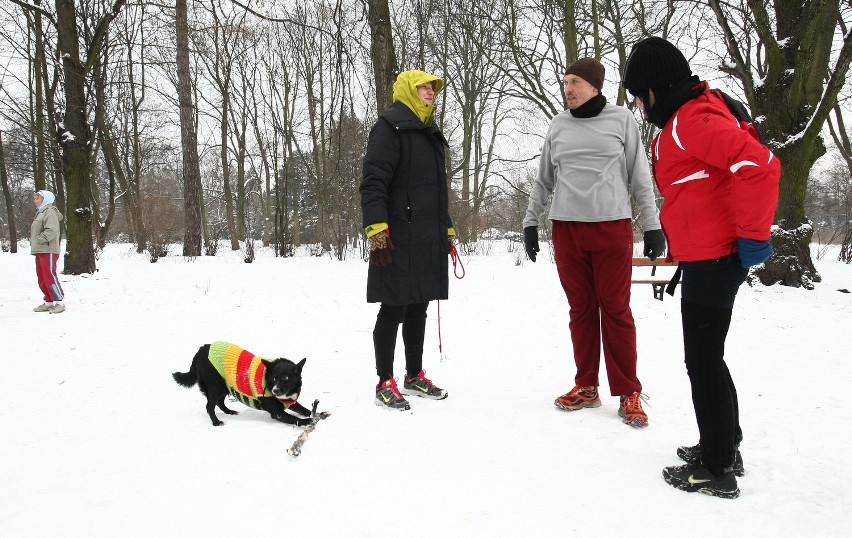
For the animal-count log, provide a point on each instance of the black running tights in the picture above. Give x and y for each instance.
(413, 319)
(706, 307)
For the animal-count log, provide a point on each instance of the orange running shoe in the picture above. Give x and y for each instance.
(578, 398)
(631, 411)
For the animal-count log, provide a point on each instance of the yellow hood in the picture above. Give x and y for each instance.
(405, 92)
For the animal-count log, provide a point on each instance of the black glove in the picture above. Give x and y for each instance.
(531, 241)
(655, 244)
(380, 247)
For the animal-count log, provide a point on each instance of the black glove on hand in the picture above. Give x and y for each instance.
(655, 244)
(531, 241)
(380, 247)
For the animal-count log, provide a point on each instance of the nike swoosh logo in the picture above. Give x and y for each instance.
(385, 398)
(697, 480)
(423, 389)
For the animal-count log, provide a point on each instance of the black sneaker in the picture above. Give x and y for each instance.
(692, 454)
(696, 477)
(388, 396)
(420, 386)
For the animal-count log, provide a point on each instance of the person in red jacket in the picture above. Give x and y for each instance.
(720, 190)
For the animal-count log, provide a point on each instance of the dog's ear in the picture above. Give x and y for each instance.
(301, 364)
(266, 363)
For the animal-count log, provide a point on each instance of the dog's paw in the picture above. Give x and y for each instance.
(218, 423)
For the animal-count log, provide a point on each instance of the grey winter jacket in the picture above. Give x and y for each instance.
(45, 231)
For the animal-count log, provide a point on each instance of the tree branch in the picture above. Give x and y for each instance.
(262, 16)
(836, 80)
(841, 139)
(762, 25)
(285, 20)
(100, 34)
(33, 7)
(741, 70)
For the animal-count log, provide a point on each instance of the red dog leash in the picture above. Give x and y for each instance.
(454, 255)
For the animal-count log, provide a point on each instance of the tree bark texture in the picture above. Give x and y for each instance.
(74, 138)
(793, 101)
(39, 60)
(382, 52)
(188, 137)
(7, 196)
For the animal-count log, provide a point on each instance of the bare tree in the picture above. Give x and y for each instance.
(39, 60)
(844, 146)
(76, 136)
(188, 136)
(478, 100)
(7, 196)
(382, 52)
(783, 53)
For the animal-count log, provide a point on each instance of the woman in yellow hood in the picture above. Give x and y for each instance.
(417, 90)
(406, 219)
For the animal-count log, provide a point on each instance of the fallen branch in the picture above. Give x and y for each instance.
(296, 449)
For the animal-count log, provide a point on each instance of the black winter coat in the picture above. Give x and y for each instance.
(405, 185)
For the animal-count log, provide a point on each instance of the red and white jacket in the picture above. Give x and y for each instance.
(717, 180)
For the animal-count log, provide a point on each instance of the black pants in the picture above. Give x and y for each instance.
(413, 319)
(707, 300)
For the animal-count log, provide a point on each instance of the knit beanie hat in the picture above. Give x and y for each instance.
(654, 63)
(588, 69)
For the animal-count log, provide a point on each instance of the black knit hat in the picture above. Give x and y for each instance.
(654, 63)
(588, 69)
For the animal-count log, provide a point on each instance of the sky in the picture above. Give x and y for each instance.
(96, 438)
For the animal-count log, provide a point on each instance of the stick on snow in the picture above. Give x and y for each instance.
(296, 449)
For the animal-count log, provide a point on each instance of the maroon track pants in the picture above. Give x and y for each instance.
(594, 264)
(48, 282)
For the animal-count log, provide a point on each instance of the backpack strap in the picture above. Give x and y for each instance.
(738, 110)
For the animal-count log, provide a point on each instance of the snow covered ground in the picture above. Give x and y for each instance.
(96, 439)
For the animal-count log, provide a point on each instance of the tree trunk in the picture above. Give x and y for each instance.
(39, 60)
(131, 204)
(74, 138)
(53, 131)
(99, 81)
(7, 195)
(789, 103)
(134, 185)
(226, 174)
(792, 264)
(382, 52)
(103, 231)
(266, 195)
(798, 87)
(189, 140)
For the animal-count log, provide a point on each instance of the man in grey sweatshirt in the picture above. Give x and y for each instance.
(593, 161)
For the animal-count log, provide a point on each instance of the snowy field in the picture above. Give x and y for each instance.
(97, 440)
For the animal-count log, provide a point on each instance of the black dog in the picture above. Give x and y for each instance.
(221, 368)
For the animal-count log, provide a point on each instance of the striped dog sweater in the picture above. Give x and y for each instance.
(243, 372)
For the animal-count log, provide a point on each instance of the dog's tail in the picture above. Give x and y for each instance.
(191, 377)
(187, 379)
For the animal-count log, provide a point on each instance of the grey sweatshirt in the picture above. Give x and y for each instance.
(592, 166)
